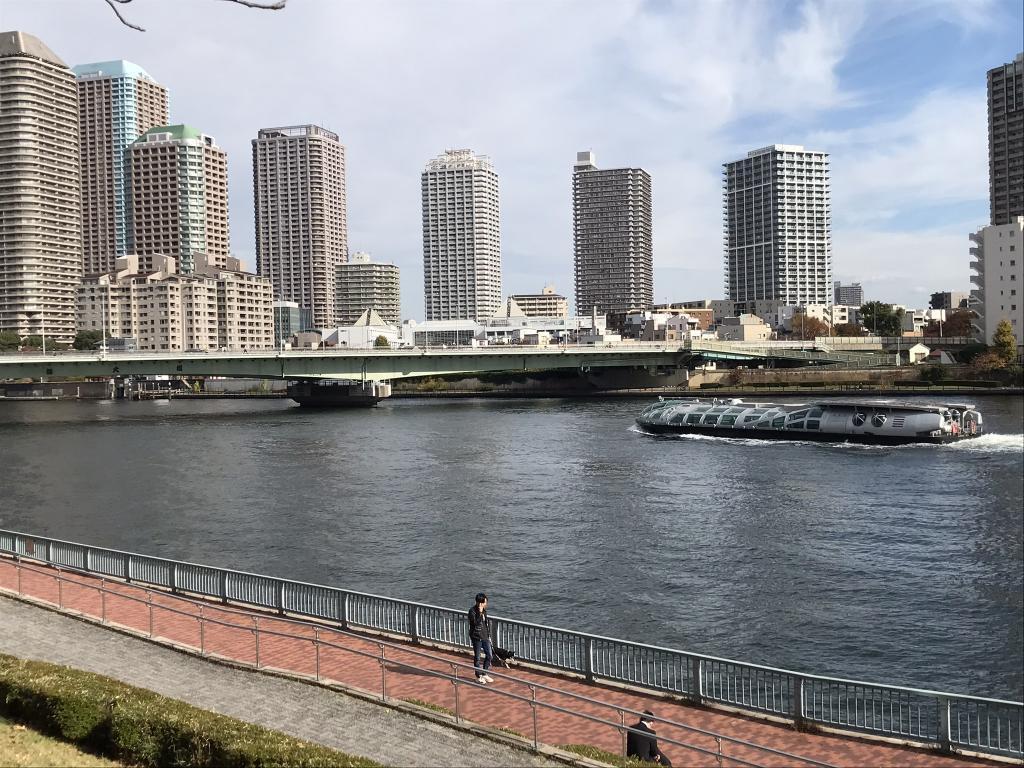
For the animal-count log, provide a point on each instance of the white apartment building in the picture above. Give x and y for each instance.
(777, 220)
(164, 310)
(367, 284)
(547, 303)
(40, 198)
(461, 237)
(300, 207)
(996, 260)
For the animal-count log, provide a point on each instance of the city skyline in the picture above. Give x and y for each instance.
(908, 143)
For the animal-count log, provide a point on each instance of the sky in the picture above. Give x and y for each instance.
(894, 90)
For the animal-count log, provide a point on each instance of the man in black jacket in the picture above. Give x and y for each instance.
(480, 636)
(643, 744)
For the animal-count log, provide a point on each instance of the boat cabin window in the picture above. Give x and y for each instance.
(693, 418)
(798, 415)
(796, 425)
(779, 422)
(859, 419)
(815, 413)
(879, 419)
(677, 418)
(728, 420)
(711, 419)
(750, 417)
(813, 423)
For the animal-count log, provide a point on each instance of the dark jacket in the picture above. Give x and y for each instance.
(643, 745)
(479, 624)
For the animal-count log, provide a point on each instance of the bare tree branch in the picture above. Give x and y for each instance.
(263, 5)
(121, 18)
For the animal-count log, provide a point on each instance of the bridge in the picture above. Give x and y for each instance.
(387, 364)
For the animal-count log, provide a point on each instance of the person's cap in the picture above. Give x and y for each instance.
(480, 597)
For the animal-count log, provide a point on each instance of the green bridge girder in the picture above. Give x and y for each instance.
(388, 364)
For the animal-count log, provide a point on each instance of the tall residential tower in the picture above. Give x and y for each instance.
(179, 180)
(1006, 141)
(612, 238)
(778, 243)
(117, 103)
(367, 284)
(461, 241)
(301, 219)
(40, 203)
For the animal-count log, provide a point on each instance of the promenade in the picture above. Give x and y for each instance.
(318, 652)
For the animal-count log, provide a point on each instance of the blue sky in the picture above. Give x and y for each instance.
(895, 91)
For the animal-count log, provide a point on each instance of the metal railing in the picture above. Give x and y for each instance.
(945, 720)
(249, 624)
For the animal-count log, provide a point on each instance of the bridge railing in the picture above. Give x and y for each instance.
(948, 721)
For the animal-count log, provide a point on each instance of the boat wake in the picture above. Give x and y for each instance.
(992, 443)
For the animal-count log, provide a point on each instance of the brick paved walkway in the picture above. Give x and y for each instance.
(291, 646)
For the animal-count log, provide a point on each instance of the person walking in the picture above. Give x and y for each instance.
(480, 636)
(641, 742)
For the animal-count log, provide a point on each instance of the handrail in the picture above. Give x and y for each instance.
(935, 718)
(317, 640)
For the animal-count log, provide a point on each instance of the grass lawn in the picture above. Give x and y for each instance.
(21, 746)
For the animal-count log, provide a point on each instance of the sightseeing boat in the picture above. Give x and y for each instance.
(839, 421)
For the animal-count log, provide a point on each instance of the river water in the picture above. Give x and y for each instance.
(899, 565)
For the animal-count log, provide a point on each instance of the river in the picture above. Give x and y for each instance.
(899, 565)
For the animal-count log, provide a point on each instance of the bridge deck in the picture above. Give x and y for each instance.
(175, 620)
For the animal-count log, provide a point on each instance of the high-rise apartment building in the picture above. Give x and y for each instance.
(851, 295)
(117, 103)
(997, 259)
(778, 244)
(1006, 141)
(461, 237)
(613, 243)
(179, 203)
(366, 284)
(301, 220)
(40, 203)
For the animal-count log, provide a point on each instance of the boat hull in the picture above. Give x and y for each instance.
(861, 438)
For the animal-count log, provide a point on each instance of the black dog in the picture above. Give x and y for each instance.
(504, 657)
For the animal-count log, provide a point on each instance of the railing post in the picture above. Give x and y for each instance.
(533, 706)
(383, 675)
(202, 632)
(316, 644)
(149, 598)
(127, 567)
(944, 724)
(622, 730)
(60, 590)
(256, 629)
(17, 561)
(455, 684)
(414, 623)
(86, 559)
(279, 597)
(174, 577)
(224, 587)
(797, 705)
(697, 680)
(718, 741)
(344, 611)
(103, 601)
(588, 645)
(48, 550)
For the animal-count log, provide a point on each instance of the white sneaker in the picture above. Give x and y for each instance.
(483, 679)
(488, 678)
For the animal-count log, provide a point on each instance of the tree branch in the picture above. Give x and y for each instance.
(121, 18)
(263, 5)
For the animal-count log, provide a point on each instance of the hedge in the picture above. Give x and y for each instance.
(143, 728)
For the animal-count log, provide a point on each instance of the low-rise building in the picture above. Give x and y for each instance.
(499, 330)
(366, 284)
(214, 307)
(744, 327)
(547, 303)
(949, 300)
(289, 319)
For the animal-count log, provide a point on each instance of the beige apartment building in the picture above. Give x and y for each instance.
(40, 203)
(366, 284)
(301, 219)
(179, 183)
(163, 310)
(547, 303)
(117, 102)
